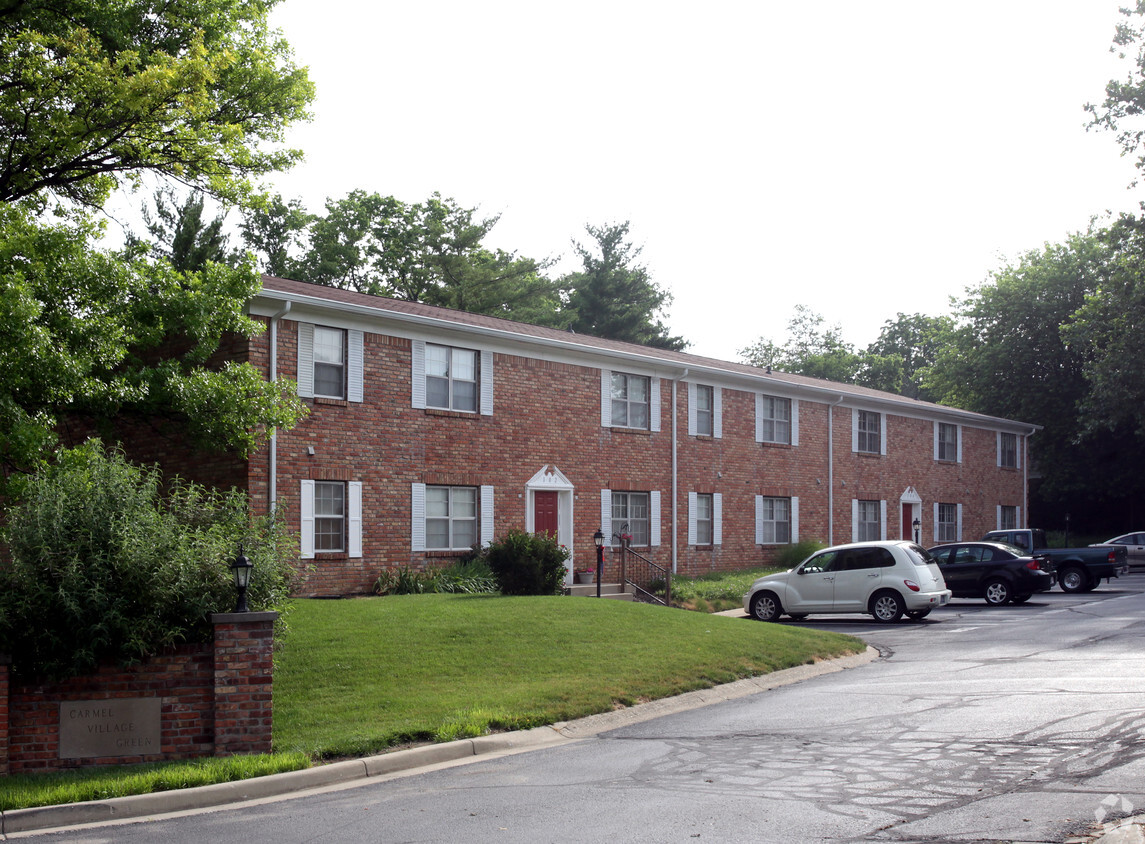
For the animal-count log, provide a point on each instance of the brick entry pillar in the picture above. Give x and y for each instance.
(244, 679)
(5, 661)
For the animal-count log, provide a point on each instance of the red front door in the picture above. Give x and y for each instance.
(545, 513)
(906, 521)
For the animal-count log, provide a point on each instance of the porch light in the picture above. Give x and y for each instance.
(916, 524)
(598, 540)
(241, 568)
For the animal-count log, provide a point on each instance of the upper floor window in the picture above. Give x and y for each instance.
(775, 419)
(631, 399)
(632, 509)
(1008, 450)
(451, 378)
(704, 415)
(450, 517)
(947, 442)
(869, 432)
(330, 362)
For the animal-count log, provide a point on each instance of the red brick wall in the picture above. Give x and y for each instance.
(216, 700)
(548, 413)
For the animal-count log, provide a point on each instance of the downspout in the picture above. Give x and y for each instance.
(675, 479)
(273, 480)
(831, 470)
(1026, 476)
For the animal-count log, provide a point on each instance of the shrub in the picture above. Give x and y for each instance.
(793, 555)
(527, 564)
(470, 575)
(401, 581)
(102, 567)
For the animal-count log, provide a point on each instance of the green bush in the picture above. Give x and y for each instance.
(793, 555)
(469, 575)
(102, 566)
(527, 564)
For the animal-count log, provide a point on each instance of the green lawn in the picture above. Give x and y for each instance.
(357, 676)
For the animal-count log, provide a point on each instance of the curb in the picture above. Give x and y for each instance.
(341, 773)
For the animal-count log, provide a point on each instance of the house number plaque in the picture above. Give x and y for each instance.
(119, 727)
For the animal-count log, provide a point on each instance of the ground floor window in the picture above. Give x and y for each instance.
(631, 508)
(947, 523)
(775, 521)
(868, 524)
(450, 517)
(329, 516)
(1007, 517)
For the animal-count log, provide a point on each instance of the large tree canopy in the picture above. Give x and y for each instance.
(614, 297)
(93, 90)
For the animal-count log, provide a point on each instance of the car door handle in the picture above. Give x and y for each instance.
(873, 574)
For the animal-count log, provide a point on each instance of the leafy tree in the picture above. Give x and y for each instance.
(613, 296)
(1125, 99)
(181, 235)
(98, 90)
(913, 342)
(812, 348)
(275, 230)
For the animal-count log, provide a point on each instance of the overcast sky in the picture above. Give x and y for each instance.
(863, 159)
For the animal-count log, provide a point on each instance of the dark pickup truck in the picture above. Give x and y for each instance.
(1078, 569)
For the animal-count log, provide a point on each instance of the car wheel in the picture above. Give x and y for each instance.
(917, 615)
(997, 592)
(798, 616)
(1090, 586)
(1020, 599)
(1072, 579)
(886, 607)
(765, 607)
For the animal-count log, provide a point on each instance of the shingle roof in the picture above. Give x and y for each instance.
(646, 354)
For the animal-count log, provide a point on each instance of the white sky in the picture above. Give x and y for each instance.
(859, 158)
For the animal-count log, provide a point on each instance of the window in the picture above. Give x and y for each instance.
(704, 415)
(630, 400)
(869, 439)
(330, 362)
(947, 523)
(1008, 450)
(775, 419)
(1007, 517)
(631, 509)
(775, 521)
(329, 516)
(947, 442)
(868, 524)
(703, 519)
(450, 517)
(451, 378)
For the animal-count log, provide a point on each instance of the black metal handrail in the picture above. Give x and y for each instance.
(644, 576)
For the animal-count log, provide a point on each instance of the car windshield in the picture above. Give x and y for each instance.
(919, 555)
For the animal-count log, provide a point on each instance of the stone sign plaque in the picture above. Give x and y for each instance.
(118, 727)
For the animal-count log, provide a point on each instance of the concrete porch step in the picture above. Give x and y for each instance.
(607, 590)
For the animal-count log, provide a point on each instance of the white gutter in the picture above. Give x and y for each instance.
(273, 378)
(831, 470)
(1026, 474)
(675, 479)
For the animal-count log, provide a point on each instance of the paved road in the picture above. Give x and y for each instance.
(1018, 723)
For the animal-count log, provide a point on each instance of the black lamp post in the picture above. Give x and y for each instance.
(916, 524)
(598, 540)
(241, 568)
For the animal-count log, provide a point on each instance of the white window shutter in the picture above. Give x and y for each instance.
(936, 537)
(354, 523)
(794, 518)
(606, 398)
(998, 448)
(305, 360)
(693, 502)
(717, 518)
(795, 422)
(654, 409)
(759, 417)
(883, 435)
(486, 383)
(355, 365)
(958, 536)
(654, 517)
(1017, 451)
(998, 517)
(606, 515)
(854, 520)
(883, 519)
(717, 412)
(960, 450)
(937, 427)
(417, 518)
(759, 519)
(417, 348)
(486, 515)
(306, 509)
(693, 427)
(1018, 519)
(854, 429)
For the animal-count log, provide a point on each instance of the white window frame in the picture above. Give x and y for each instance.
(607, 525)
(1002, 525)
(353, 520)
(765, 418)
(764, 536)
(606, 401)
(1017, 464)
(857, 434)
(855, 523)
(484, 377)
(715, 411)
(485, 524)
(715, 518)
(938, 442)
(353, 360)
(955, 527)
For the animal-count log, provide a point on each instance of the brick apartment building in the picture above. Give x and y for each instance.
(431, 430)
